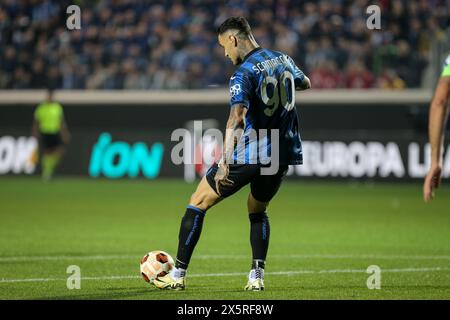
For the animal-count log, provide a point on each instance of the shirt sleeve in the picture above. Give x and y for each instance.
(299, 76)
(446, 68)
(240, 89)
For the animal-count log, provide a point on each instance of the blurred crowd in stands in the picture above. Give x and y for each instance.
(137, 44)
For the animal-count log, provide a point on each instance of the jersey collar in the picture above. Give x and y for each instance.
(250, 53)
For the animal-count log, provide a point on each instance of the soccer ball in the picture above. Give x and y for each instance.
(156, 264)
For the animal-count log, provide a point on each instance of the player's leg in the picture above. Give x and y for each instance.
(55, 159)
(52, 153)
(191, 226)
(203, 198)
(259, 230)
(47, 164)
(192, 222)
(259, 241)
(263, 189)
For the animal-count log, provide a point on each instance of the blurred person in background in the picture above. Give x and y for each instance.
(50, 128)
(436, 128)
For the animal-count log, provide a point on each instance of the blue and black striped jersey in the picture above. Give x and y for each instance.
(265, 84)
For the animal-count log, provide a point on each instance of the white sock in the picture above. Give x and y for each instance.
(178, 273)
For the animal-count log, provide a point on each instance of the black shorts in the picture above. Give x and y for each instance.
(51, 141)
(263, 187)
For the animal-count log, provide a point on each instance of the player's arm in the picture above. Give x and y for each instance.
(438, 116)
(233, 134)
(439, 110)
(65, 133)
(234, 130)
(302, 82)
(35, 125)
(240, 93)
(35, 129)
(64, 129)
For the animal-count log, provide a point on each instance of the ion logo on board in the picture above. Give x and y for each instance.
(118, 159)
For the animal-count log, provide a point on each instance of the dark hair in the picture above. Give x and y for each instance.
(235, 23)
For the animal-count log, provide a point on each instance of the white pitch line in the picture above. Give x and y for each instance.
(232, 274)
(333, 256)
(55, 258)
(231, 257)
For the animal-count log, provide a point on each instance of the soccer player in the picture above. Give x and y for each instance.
(51, 129)
(436, 126)
(262, 94)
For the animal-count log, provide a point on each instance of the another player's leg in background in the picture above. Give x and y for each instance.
(259, 240)
(190, 229)
(50, 160)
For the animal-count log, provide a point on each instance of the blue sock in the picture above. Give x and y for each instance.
(190, 230)
(259, 238)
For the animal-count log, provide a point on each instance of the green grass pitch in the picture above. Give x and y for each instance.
(324, 236)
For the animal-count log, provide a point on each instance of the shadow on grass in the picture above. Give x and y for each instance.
(140, 292)
(137, 293)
